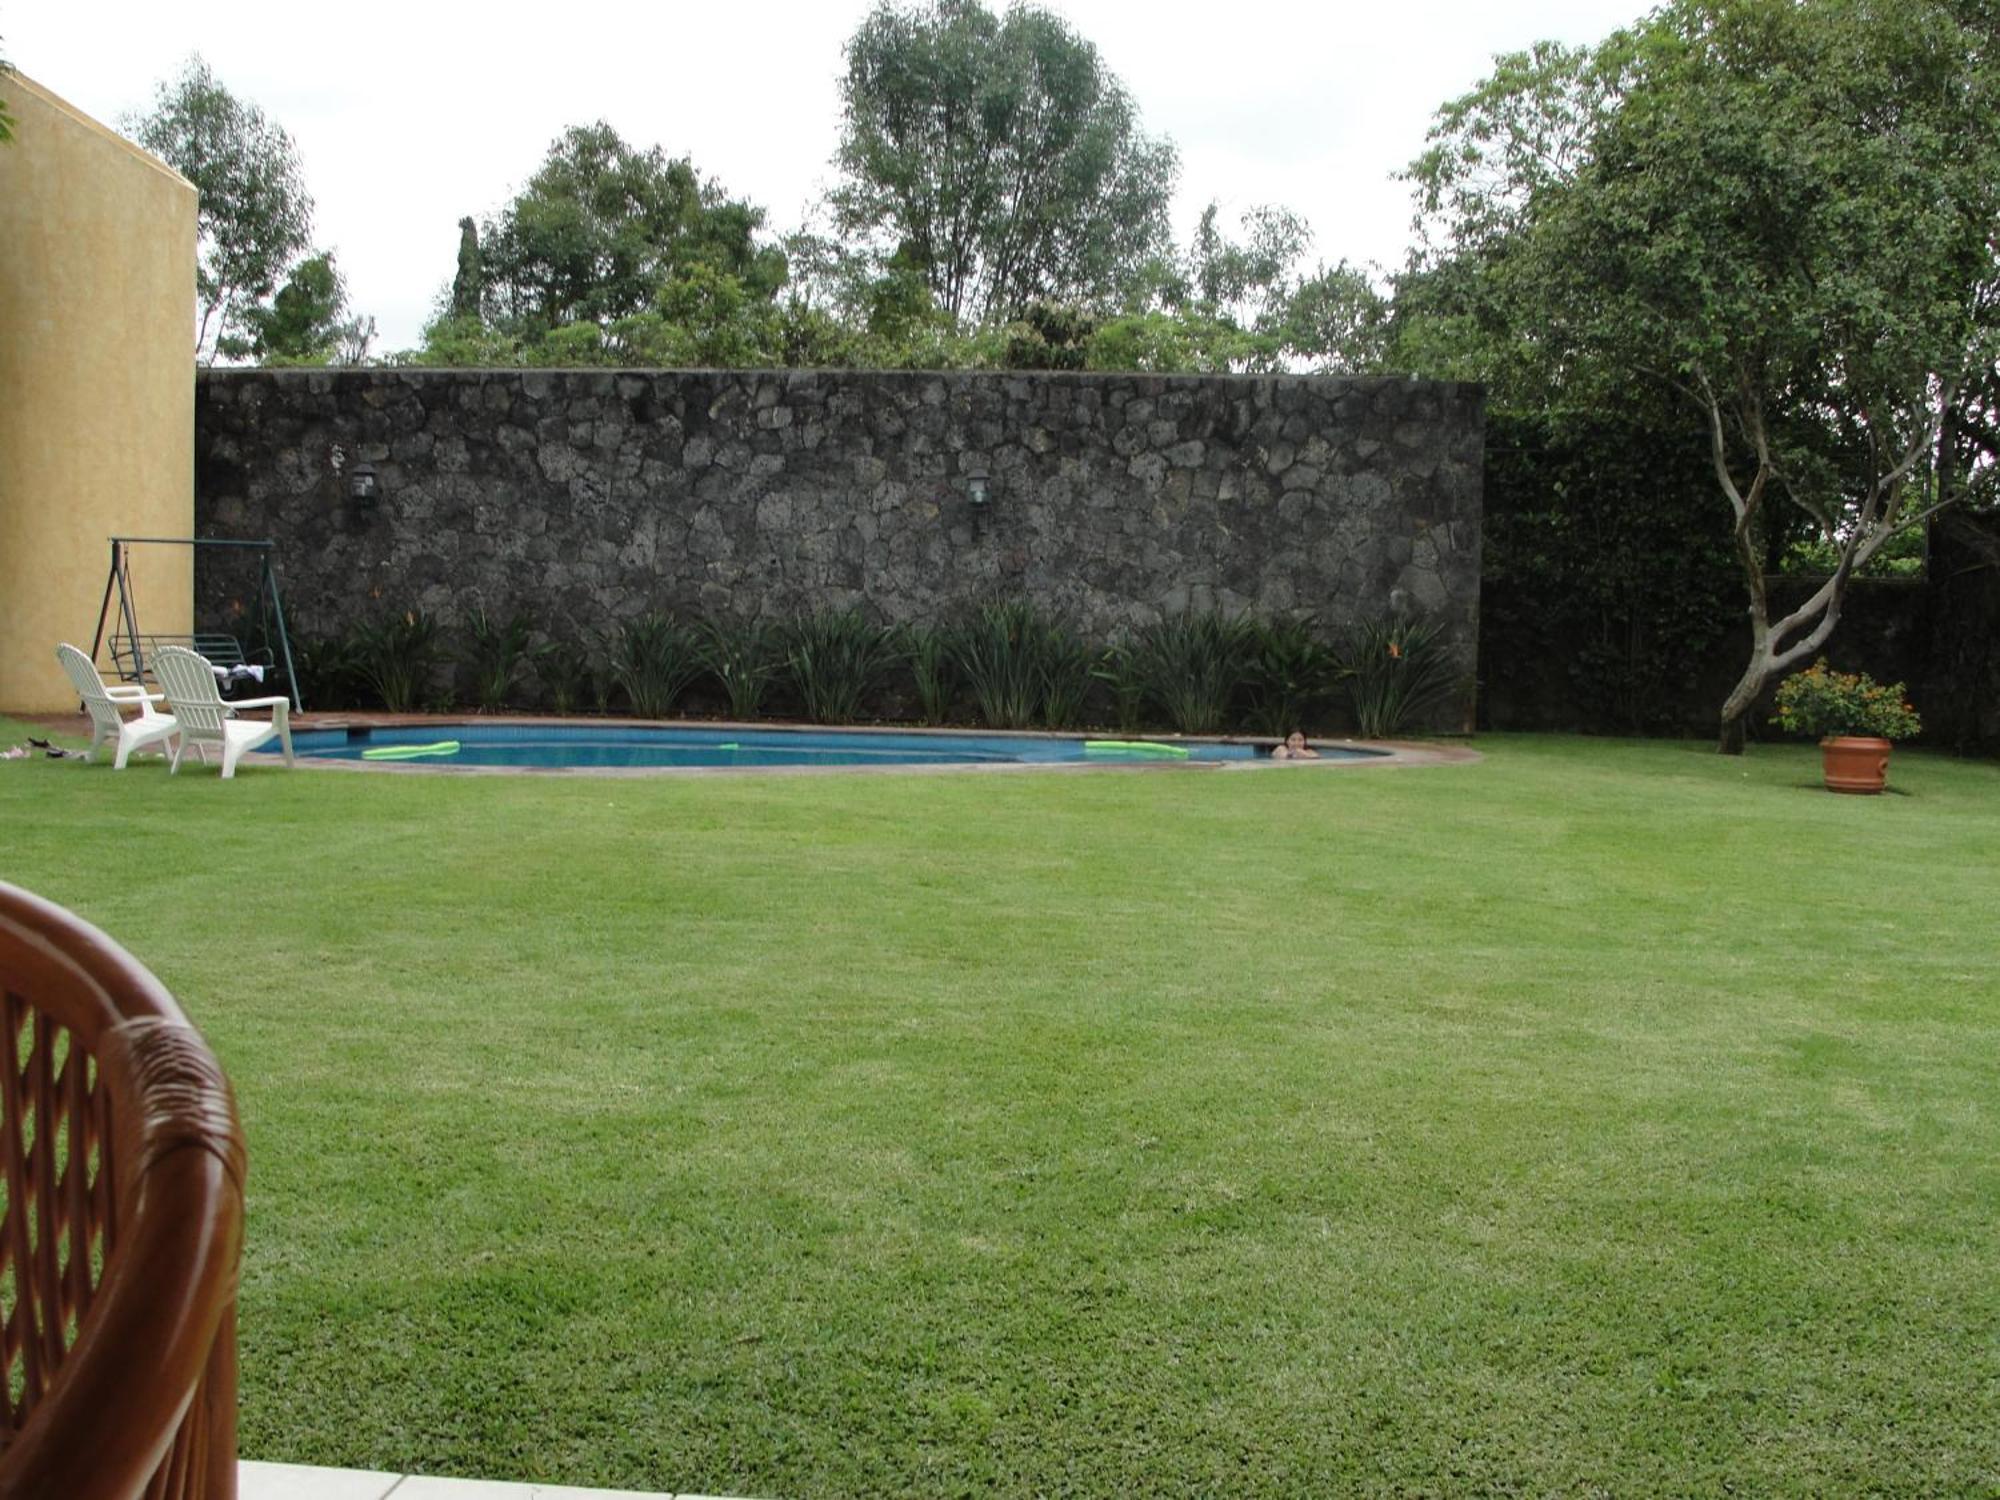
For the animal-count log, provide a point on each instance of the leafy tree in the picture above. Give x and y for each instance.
(602, 227)
(998, 158)
(255, 215)
(1336, 322)
(306, 323)
(1244, 304)
(1780, 217)
(1248, 278)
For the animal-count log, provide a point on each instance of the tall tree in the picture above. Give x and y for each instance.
(602, 227)
(468, 286)
(255, 215)
(999, 157)
(1783, 217)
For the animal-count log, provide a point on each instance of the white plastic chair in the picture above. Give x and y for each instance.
(206, 719)
(104, 702)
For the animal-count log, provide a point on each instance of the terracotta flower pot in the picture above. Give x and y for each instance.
(1854, 763)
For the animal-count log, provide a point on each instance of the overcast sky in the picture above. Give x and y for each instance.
(410, 115)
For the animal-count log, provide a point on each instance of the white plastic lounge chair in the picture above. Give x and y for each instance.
(205, 719)
(103, 703)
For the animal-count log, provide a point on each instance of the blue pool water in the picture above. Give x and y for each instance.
(556, 746)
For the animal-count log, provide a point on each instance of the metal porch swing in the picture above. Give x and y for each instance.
(130, 647)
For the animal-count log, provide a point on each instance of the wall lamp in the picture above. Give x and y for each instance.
(364, 487)
(977, 492)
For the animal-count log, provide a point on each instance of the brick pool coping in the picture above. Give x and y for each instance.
(1394, 754)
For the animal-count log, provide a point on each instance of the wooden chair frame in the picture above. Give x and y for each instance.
(122, 1230)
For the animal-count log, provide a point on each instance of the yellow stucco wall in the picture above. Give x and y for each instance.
(97, 246)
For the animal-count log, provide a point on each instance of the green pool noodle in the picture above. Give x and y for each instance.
(411, 752)
(1134, 747)
(729, 745)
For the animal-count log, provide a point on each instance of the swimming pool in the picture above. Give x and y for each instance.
(638, 747)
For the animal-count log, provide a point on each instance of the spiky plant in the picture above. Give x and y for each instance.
(497, 650)
(1191, 665)
(1118, 669)
(836, 658)
(398, 655)
(1067, 671)
(1289, 674)
(653, 659)
(932, 651)
(1000, 652)
(743, 656)
(1398, 671)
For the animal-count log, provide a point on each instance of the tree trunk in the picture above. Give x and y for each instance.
(1736, 708)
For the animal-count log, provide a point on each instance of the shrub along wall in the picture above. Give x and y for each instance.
(1613, 604)
(1611, 589)
(1960, 689)
(592, 497)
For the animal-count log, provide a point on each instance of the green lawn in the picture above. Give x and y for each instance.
(1600, 1118)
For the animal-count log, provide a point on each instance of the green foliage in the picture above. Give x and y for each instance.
(1191, 665)
(1336, 322)
(1814, 556)
(836, 658)
(1023, 666)
(1227, 304)
(1398, 672)
(1821, 703)
(497, 651)
(575, 671)
(1046, 336)
(602, 227)
(1289, 674)
(997, 158)
(1168, 343)
(1778, 217)
(468, 283)
(1068, 670)
(653, 659)
(398, 656)
(305, 323)
(743, 656)
(1608, 575)
(254, 216)
(932, 651)
(1121, 670)
(1001, 653)
(330, 670)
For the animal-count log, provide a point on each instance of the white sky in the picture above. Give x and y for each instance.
(410, 115)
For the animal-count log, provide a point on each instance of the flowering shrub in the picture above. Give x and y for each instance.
(1823, 703)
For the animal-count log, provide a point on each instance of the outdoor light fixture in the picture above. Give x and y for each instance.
(977, 493)
(363, 488)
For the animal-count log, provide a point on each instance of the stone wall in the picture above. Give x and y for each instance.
(590, 497)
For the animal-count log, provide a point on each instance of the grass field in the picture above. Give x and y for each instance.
(1600, 1118)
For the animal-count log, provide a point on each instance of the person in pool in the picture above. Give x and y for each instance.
(1294, 748)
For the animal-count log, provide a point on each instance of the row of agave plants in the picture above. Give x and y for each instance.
(1008, 664)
